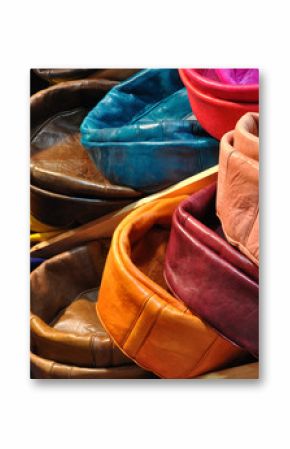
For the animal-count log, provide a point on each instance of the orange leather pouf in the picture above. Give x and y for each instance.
(150, 326)
(238, 186)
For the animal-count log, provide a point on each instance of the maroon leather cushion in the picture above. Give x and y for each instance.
(210, 276)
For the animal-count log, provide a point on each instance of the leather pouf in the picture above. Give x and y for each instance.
(64, 325)
(238, 186)
(211, 277)
(67, 189)
(217, 116)
(227, 84)
(139, 135)
(151, 326)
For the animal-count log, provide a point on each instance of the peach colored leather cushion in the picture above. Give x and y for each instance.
(153, 328)
(238, 186)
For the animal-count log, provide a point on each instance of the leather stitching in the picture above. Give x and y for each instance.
(136, 319)
(202, 357)
(156, 316)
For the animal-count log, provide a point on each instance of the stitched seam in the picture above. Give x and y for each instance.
(51, 369)
(135, 321)
(93, 352)
(156, 316)
(203, 355)
(252, 225)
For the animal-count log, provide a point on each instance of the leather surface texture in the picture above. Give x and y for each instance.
(151, 326)
(210, 276)
(217, 116)
(139, 135)
(238, 186)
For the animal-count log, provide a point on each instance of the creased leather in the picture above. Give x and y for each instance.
(151, 326)
(64, 324)
(238, 186)
(138, 134)
(216, 115)
(212, 278)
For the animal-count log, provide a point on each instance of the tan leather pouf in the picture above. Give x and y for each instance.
(66, 334)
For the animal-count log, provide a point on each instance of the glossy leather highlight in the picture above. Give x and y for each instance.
(149, 325)
(138, 134)
(238, 186)
(216, 115)
(212, 278)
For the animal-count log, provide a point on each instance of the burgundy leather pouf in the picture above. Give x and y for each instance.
(210, 276)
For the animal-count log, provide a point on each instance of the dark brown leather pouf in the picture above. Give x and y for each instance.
(67, 188)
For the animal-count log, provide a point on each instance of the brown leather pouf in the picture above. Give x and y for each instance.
(66, 334)
(67, 188)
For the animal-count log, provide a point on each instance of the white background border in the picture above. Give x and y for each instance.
(145, 414)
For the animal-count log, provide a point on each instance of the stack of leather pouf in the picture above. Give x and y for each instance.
(174, 292)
